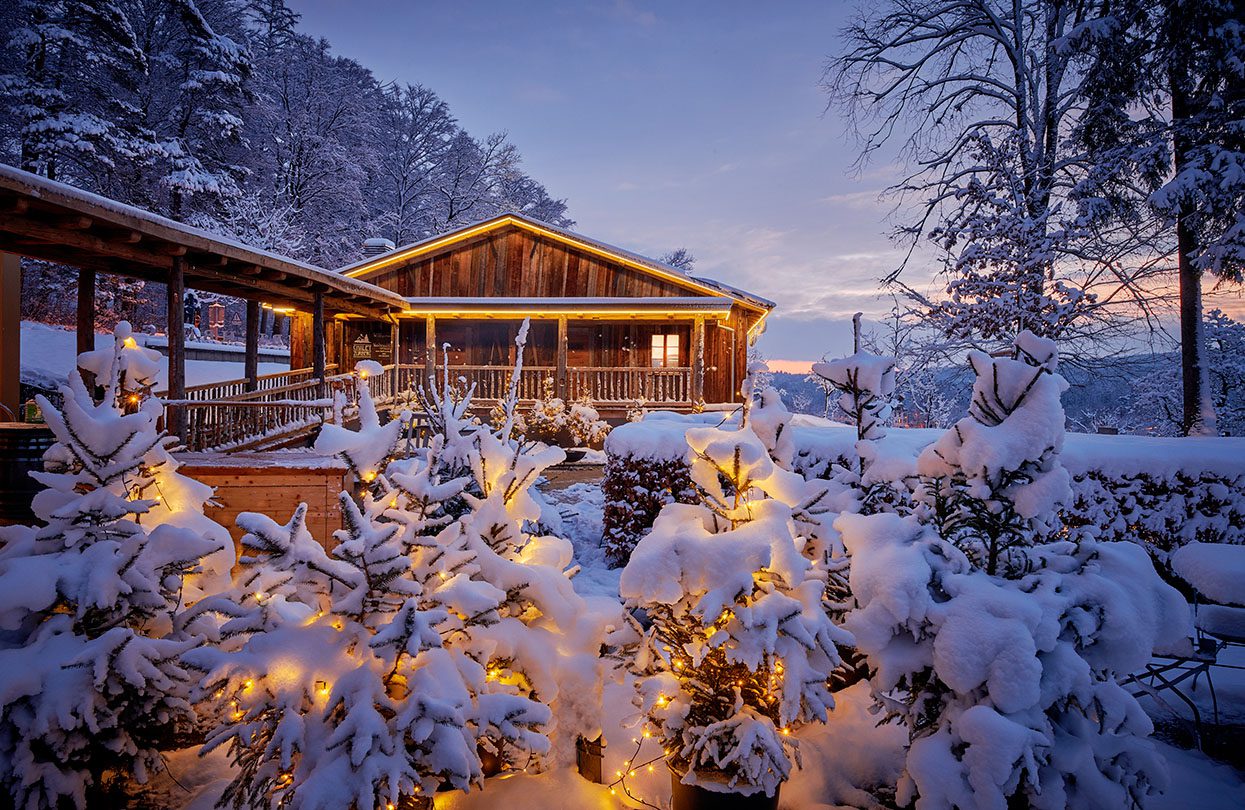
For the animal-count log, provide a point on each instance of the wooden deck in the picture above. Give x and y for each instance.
(287, 409)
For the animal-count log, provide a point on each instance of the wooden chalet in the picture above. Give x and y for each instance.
(605, 322)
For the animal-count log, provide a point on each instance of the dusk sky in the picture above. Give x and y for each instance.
(697, 124)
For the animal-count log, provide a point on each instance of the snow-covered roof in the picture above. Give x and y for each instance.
(103, 218)
(717, 306)
(513, 219)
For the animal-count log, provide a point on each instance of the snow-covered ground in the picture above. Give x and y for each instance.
(843, 760)
(47, 351)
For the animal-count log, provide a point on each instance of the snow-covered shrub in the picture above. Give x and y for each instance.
(645, 468)
(551, 421)
(585, 424)
(997, 646)
(1161, 510)
(90, 679)
(544, 641)
(368, 450)
(739, 649)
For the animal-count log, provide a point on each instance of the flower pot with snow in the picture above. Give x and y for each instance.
(709, 792)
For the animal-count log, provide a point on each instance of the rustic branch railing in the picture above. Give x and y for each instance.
(493, 382)
(629, 384)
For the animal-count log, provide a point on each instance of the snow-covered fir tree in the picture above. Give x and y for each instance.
(865, 383)
(368, 450)
(91, 685)
(739, 651)
(337, 683)
(995, 641)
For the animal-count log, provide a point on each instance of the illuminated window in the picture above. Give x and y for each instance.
(665, 350)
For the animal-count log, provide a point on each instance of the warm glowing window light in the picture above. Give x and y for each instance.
(665, 350)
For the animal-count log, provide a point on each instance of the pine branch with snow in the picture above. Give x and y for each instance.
(368, 450)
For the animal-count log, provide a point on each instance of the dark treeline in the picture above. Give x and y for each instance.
(219, 113)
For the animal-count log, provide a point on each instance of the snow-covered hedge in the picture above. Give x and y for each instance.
(646, 468)
(1160, 492)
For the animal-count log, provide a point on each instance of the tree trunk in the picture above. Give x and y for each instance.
(1198, 414)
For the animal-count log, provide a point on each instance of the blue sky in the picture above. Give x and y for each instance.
(696, 124)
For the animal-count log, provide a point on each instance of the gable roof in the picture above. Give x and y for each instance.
(644, 264)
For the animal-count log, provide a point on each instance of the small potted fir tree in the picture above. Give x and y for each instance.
(739, 651)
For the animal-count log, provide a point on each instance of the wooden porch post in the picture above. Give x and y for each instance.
(251, 367)
(317, 335)
(394, 349)
(563, 328)
(430, 350)
(86, 310)
(176, 328)
(698, 359)
(11, 336)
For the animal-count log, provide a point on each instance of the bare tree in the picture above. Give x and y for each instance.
(1034, 230)
(417, 129)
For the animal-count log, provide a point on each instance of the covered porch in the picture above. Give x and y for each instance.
(614, 351)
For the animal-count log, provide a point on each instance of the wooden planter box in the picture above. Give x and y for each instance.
(272, 483)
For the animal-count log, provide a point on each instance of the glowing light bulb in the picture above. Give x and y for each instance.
(362, 374)
(322, 688)
(130, 343)
(786, 732)
(248, 684)
(369, 476)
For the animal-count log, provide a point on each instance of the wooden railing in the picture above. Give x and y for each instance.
(292, 404)
(493, 382)
(629, 384)
(229, 424)
(228, 389)
(603, 383)
(248, 418)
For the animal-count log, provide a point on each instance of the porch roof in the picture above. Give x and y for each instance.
(713, 307)
(48, 220)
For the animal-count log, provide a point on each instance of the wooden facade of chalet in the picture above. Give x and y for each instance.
(605, 322)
